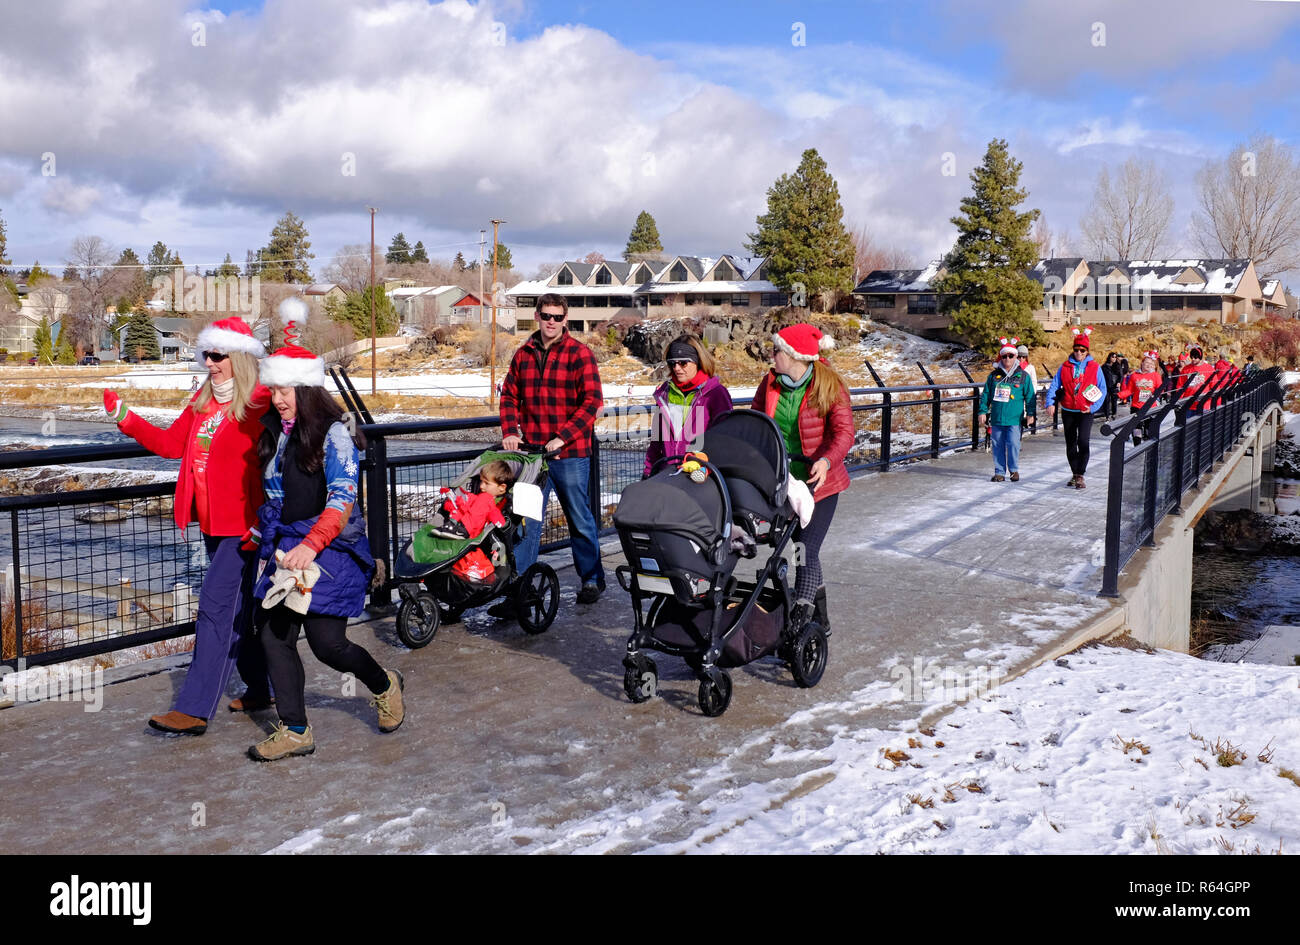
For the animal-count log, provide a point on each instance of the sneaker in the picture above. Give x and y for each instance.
(245, 703)
(389, 703)
(283, 743)
(451, 529)
(178, 723)
(997, 478)
(590, 592)
(1015, 477)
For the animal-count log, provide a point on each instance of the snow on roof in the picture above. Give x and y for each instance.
(899, 280)
(409, 291)
(1222, 276)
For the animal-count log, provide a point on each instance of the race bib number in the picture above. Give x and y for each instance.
(1002, 393)
(1194, 380)
(1092, 393)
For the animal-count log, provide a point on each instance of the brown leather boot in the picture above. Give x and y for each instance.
(178, 723)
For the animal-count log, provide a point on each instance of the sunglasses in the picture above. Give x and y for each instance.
(1080, 348)
(550, 317)
(1005, 356)
(680, 362)
(216, 357)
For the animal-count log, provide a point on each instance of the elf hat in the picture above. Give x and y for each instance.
(1009, 346)
(293, 365)
(803, 342)
(226, 337)
(1081, 337)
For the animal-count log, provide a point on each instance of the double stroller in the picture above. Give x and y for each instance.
(683, 539)
(434, 590)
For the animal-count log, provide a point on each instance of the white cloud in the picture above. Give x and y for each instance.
(70, 199)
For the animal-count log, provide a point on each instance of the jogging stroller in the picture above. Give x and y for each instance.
(430, 587)
(683, 540)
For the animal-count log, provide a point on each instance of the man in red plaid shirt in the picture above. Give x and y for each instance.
(551, 396)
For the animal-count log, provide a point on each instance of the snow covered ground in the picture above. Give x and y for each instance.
(1108, 750)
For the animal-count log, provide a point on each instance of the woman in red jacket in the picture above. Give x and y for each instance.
(810, 403)
(220, 485)
(1139, 387)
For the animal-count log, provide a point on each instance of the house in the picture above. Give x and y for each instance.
(1095, 292)
(467, 310)
(597, 292)
(424, 306)
(47, 300)
(174, 339)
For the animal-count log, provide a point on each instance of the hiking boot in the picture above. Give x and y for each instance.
(820, 613)
(178, 723)
(1078, 484)
(590, 593)
(997, 478)
(247, 703)
(1015, 477)
(284, 742)
(505, 609)
(389, 703)
(1074, 482)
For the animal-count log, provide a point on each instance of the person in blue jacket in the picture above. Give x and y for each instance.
(1079, 390)
(1009, 394)
(313, 539)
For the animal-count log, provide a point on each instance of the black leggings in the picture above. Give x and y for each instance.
(327, 637)
(809, 576)
(1078, 430)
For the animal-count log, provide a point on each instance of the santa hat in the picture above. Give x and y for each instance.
(1009, 346)
(1081, 336)
(1153, 354)
(293, 365)
(226, 337)
(803, 342)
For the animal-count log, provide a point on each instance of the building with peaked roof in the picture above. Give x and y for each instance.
(597, 292)
(424, 306)
(1095, 292)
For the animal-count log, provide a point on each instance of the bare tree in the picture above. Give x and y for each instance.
(593, 258)
(1065, 244)
(870, 254)
(1250, 206)
(1129, 217)
(90, 257)
(1042, 237)
(350, 267)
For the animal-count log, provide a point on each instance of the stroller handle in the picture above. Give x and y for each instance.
(525, 447)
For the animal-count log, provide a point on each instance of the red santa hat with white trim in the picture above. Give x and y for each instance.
(803, 342)
(226, 337)
(293, 365)
(1009, 346)
(1081, 337)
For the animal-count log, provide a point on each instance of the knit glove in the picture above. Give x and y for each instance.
(114, 407)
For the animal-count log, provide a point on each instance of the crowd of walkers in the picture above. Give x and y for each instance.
(1083, 389)
(269, 471)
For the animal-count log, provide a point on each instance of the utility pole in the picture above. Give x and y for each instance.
(482, 235)
(493, 349)
(373, 342)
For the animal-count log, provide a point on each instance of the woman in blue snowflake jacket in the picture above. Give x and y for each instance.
(313, 539)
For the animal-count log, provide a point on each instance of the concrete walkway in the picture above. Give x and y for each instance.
(939, 581)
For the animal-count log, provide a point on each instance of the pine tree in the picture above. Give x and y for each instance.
(355, 310)
(4, 240)
(399, 251)
(37, 274)
(803, 234)
(504, 261)
(44, 342)
(459, 262)
(418, 254)
(986, 289)
(64, 354)
(228, 269)
(129, 273)
(285, 257)
(644, 237)
(141, 338)
(159, 261)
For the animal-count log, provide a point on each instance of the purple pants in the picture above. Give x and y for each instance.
(224, 631)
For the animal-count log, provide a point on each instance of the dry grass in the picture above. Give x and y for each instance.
(896, 756)
(1226, 754)
(1132, 744)
(1266, 753)
(40, 640)
(166, 648)
(1239, 816)
(923, 803)
(1289, 775)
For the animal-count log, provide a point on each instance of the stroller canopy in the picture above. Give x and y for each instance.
(747, 445)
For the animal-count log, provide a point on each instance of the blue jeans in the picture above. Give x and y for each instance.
(1006, 450)
(568, 478)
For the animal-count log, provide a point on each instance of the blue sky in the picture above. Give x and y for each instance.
(567, 118)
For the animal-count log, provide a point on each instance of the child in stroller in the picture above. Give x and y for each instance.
(440, 574)
(678, 534)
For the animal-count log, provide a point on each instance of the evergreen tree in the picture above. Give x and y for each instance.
(159, 261)
(129, 275)
(355, 310)
(44, 342)
(803, 234)
(986, 289)
(228, 269)
(418, 254)
(141, 338)
(459, 262)
(504, 261)
(37, 274)
(399, 251)
(644, 237)
(285, 258)
(71, 274)
(4, 240)
(64, 354)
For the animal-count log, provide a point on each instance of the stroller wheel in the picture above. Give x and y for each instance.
(537, 598)
(715, 695)
(640, 679)
(418, 620)
(808, 655)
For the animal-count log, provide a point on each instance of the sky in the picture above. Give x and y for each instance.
(146, 120)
